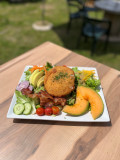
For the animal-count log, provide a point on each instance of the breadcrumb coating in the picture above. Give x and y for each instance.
(59, 81)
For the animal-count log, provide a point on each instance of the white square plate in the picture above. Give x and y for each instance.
(63, 116)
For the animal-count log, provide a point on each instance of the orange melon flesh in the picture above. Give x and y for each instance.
(80, 107)
(94, 99)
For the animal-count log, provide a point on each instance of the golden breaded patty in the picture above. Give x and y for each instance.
(59, 81)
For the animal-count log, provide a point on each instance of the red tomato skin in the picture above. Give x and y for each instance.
(40, 111)
(55, 110)
(48, 111)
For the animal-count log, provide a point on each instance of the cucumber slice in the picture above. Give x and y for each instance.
(18, 108)
(28, 108)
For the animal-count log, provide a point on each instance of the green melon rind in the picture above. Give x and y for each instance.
(80, 114)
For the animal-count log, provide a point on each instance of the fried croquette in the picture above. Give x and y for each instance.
(59, 81)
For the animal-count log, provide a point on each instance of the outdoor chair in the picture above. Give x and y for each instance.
(77, 9)
(95, 29)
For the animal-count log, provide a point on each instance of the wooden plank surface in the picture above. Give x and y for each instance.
(47, 140)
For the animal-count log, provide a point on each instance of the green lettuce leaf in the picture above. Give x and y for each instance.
(23, 99)
(75, 69)
(27, 74)
(48, 66)
(37, 90)
(71, 98)
(93, 83)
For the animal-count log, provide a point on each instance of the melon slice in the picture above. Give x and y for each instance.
(79, 108)
(94, 99)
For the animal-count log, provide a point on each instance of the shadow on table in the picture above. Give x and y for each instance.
(46, 122)
(70, 40)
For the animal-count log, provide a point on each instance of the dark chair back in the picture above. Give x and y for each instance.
(105, 24)
(96, 29)
(78, 4)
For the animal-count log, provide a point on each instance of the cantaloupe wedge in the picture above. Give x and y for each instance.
(80, 107)
(86, 95)
(94, 99)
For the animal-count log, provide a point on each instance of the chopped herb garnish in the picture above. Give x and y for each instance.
(48, 66)
(61, 75)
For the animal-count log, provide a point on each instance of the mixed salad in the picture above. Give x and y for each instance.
(31, 93)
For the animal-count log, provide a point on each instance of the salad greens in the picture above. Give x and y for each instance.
(85, 78)
(93, 83)
(77, 76)
(21, 98)
(75, 69)
(38, 89)
(24, 99)
(28, 72)
(48, 66)
(27, 75)
(71, 98)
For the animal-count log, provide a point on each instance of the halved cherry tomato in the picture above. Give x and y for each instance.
(55, 110)
(40, 111)
(48, 111)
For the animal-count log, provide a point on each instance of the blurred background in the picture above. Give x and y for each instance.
(83, 26)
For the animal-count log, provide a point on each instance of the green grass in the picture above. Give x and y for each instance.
(17, 35)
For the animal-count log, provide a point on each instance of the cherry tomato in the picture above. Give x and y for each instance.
(55, 110)
(48, 111)
(40, 111)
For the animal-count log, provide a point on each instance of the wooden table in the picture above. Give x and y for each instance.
(48, 140)
(112, 12)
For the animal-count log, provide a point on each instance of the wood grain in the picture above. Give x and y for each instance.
(47, 140)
